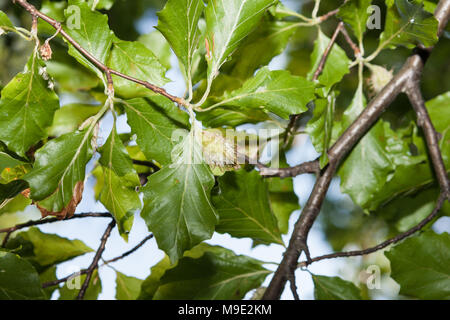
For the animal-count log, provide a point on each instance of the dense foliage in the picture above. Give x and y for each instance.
(179, 166)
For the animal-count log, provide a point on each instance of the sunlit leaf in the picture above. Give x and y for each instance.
(177, 204)
(27, 106)
(421, 265)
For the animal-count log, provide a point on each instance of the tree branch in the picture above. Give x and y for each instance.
(294, 118)
(32, 223)
(336, 154)
(108, 71)
(84, 271)
(293, 286)
(398, 238)
(140, 244)
(97, 258)
(327, 52)
(306, 167)
(349, 40)
(431, 135)
(328, 15)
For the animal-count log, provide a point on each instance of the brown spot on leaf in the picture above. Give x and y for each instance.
(68, 211)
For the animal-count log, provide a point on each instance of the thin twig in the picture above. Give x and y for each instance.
(58, 281)
(108, 71)
(331, 13)
(328, 15)
(32, 223)
(140, 244)
(294, 118)
(386, 243)
(97, 258)
(84, 271)
(306, 167)
(327, 51)
(349, 40)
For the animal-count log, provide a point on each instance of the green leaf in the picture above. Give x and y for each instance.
(355, 14)
(127, 288)
(280, 11)
(178, 22)
(70, 292)
(154, 120)
(92, 33)
(226, 116)
(421, 265)
(115, 156)
(407, 24)
(151, 283)
(18, 279)
(278, 92)
(429, 6)
(414, 172)
(70, 76)
(12, 189)
(47, 249)
(231, 116)
(156, 42)
(244, 207)
(365, 170)
(283, 201)
(177, 205)
(218, 274)
(27, 106)
(407, 212)
(17, 204)
(5, 24)
(136, 60)
(59, 166)
(54, 10)
(70, 117)
(267, 41)
(320, 127)
(334, 288)
(46, 276)
(227, 24)
(101, 4)
(119, 193)
(119, 196)
(337, 64)
(6, 161)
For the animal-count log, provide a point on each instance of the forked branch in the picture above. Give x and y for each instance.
(85, 271)
(96, 259)
(384, 244)
(105, 69)
(401, 82)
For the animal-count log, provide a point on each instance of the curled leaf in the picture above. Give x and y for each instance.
(68, 211)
